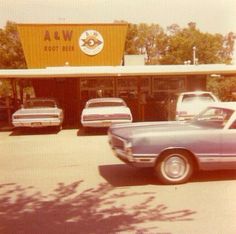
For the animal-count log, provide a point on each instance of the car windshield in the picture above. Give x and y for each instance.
(197, 98)
(213, 117)
(39, 103)
(104, 104)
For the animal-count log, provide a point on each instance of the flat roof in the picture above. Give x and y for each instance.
(101, 71)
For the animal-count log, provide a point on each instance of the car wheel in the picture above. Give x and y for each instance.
(174, 168)
(58, 128)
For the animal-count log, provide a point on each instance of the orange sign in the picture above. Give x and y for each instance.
(49, 45)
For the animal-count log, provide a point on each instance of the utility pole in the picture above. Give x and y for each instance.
(194, 55)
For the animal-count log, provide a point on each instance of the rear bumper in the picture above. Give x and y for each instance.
(104, 123)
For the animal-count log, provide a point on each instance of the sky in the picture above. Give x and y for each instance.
(213, 16)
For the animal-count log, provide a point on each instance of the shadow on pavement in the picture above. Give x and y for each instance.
(95, 210)
(220, 175)
(124, 175)
(5, 127)
(34, 131)
(121, 175)
(91, 131)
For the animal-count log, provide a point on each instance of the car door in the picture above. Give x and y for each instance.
(228, 148)
(208, 145)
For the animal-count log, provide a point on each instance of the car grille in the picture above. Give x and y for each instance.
(117, 142)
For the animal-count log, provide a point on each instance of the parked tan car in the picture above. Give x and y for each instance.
(37, 113)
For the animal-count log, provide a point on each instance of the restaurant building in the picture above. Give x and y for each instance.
(76, 62)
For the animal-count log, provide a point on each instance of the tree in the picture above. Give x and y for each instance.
(176, 45)
(11, 52)
(5, 88)
(223, 87)
(228, 46)
(209, 48)
(146, 39)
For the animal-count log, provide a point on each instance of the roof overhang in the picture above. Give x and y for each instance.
(101, 71)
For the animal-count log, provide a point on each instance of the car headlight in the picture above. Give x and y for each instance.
(128, 150)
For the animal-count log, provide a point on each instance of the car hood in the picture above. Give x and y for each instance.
(131, 130)
(106, 110)
(26, 111)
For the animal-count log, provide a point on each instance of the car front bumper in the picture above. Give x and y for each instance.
(135, 160)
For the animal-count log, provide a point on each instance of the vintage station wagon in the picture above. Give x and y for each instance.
(175, 149)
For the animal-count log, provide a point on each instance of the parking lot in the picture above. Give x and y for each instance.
(70, 182)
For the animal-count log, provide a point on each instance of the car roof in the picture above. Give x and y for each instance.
(196, 92)
(228, 105)
(110, 99)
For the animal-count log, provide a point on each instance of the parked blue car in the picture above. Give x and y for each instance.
(175, 149)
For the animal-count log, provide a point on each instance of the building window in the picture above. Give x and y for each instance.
(128, 87)
(96, 87)
(169, 84)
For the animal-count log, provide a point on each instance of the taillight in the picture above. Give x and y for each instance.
(122, 116)
(90, 117)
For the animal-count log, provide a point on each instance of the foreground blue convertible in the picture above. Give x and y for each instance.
(176, 149)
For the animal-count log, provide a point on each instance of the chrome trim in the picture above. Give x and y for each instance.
(127, 147)
(218, 159)
(144, 159)
(145, 155)
(121, 153)
(115, 136)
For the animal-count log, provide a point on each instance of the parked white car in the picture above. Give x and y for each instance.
(189, 104)
(102, 112)
(38, 112)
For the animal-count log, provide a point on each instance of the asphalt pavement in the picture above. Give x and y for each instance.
(70, 182)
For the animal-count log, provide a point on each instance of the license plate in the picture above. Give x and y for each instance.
(37, 124)
(105, 123)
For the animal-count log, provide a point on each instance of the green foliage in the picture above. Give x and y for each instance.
(146, 39)
(223, 87)
(176, 45)
(11, 52)
(5, 88)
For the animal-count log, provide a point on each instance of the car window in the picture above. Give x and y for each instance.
(105, 104)
(213, 117)
(198, 98)
(233, 125)
(39, 103)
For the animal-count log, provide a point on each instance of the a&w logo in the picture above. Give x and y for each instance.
(91, 42)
